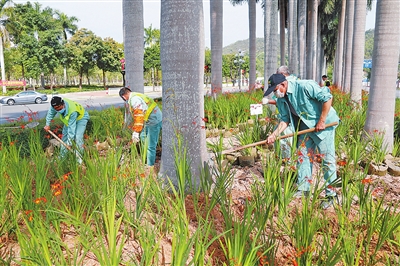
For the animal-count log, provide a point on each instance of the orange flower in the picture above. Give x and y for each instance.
(57, 192)
(366, 181)
(342, 162)
(114, 178)
(37, 201)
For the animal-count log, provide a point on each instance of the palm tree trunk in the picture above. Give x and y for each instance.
(360, 17)
(133, 28)
(216, 30)
(302, 14)
(381, 104)
(270, 38)
(338, 68)
(349, 45)
(252, 43)
(282, 20)
(182, 60)
(293, 37)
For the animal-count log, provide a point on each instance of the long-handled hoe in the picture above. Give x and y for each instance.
(278, 138)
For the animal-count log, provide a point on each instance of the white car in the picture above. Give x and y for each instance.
(24, 97)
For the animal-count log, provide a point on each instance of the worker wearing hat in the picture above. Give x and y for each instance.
(305, 105)
(74, 118)
(147, 120)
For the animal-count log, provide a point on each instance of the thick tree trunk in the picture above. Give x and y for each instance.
(381, 104)
(182, 61)
(282, 26)
(302, 37)
(360, 17)
(293, 48)
(252, 43)
(133, 29)
(216, 30)
(349, 45)
(338, 68)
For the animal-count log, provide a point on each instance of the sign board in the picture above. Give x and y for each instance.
(12, 83)
(367, 63)
(256, 109)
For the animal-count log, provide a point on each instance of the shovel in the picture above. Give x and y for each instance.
(29, 125)
(65, 145)
(278, 138)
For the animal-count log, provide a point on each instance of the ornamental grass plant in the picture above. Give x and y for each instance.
(112, 210)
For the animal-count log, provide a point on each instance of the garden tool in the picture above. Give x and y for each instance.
(29, 125)
(278, 138)
(66, 146)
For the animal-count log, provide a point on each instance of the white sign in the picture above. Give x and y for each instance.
(256, 109)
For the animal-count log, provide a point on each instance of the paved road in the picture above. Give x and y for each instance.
(91, 100)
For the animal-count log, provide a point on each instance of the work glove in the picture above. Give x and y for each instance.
(265, 100)
(135, 137)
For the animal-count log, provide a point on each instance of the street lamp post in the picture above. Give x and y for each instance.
(239, 61)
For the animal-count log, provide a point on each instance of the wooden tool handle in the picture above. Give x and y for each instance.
(304, 131)
(60, 140)
(278, 138)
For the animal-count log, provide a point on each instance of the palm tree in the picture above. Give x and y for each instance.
(270, 37)
(252, 39)
(252, 43)
(381, 104)
(360, 16)
(151, 38)
(349, 26)
(216, 30)
(182, 61)
(293, 37)
(302, 24)
(133, 28)
(69, 27)
(282, 33)
(338, 68)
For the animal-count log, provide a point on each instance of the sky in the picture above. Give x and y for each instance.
(104, 17)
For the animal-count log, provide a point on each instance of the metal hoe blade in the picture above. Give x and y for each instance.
(29, 125)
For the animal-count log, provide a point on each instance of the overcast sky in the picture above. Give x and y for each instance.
(104, 17)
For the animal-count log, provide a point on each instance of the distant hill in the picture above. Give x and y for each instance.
(244, 46)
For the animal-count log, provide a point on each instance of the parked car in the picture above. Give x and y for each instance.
(24, 97)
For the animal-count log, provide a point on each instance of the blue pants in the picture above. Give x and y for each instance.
(310, 146)
(149, 136)
(79, 132)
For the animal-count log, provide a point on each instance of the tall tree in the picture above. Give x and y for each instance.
(357, 73)
(216, 29)
(347, 56)
(252, 38)
(252, 43)
(133, 28)
(282, 30)
(69, 27)
(302, 26)
(83, 49)
(3, 39)
(108, 57)
(293, 37)
(270, 42)
(152, 53)
(381, 105)
(182, 61)
(270, 37)
(338, 67)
